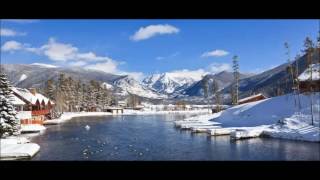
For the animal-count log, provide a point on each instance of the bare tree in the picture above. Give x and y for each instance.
(296, 79)
(290, 71)
(309, 48)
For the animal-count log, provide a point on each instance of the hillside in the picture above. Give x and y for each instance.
(223, 79)
(269, 81)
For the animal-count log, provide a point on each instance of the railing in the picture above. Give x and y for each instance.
(40, 112)
(31, 121)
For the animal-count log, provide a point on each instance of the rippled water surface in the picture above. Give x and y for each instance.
(154, 137)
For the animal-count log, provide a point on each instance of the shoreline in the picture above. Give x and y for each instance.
(69, 115)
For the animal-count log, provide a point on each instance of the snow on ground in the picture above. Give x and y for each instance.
(264, 112)
(150, 112)
(274, 117)
(297, 127)
(15, 140)
(107, 85)
(69, 115)
(44, 65)
(18, 151)
(17, 148)
(30, 128)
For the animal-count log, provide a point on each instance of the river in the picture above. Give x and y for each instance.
(154, 137)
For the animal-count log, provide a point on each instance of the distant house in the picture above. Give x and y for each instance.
(256, 97)
(19, 107)
(30, 102)
(310, 81)
(114, 110)
(122, 103)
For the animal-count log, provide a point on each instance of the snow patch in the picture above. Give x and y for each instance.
(44, 65)
(23, 77)
(276, 117)
(306, 75)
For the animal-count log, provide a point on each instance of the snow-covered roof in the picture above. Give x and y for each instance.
(41, 98)
(27, 95)
(16, 101)
(250, 97)
(306, 75)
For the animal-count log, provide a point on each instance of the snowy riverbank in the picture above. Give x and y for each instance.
(148, 112)
(69, 115)
(13, 148)
(276, 117)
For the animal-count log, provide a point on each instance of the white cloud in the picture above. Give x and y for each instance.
(69, 55)
(55, 51)
(109, 66)
(59, 51)
(153, 30)
(11, 46)
(218, 67)
(90, 56)
(10, 32)
(195, 74)
(135, 75)
(215, 53)
(199, 73)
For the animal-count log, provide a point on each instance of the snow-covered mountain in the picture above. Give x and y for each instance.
(168, 83)
(107, 85)
(126, 85)
(35, 75)
(44, 65)
(223, 79)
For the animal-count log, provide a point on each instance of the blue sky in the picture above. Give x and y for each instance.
(143, 47)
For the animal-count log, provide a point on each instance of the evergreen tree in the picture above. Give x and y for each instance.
(290, 68)
(85, 97)
(77, 95)
(296, 80)
(215, 92)
(8, 119)
(105, 97)
(50, 89)
(236, 80)
(61, 96)
(71, 94)
(205, 88)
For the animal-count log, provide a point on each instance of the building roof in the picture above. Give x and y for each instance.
(251, 97)
(16, 101)
(114, 108)
(306, 75)
(28, 96)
